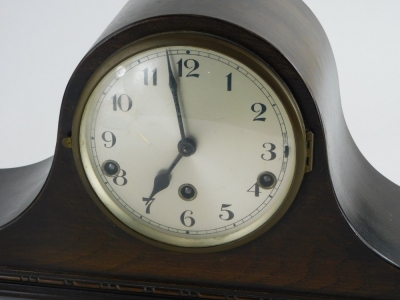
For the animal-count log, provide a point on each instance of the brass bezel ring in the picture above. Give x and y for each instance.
(229, 49)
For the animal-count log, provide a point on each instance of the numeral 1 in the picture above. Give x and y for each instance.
(229, 77)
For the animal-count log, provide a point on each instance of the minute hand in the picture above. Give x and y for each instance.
(174, 90)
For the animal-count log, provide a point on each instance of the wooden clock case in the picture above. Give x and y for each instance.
(57, 243)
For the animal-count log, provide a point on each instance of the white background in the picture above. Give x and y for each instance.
(42, 41)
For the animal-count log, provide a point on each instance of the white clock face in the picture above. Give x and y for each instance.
(243, 141)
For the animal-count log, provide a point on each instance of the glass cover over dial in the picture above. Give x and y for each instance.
(191, 145)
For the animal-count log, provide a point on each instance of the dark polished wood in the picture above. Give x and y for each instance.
(65, 243)
(19, 187)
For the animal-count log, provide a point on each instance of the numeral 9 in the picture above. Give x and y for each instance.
(113, 139)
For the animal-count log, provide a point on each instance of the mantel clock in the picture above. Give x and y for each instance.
(202, 152)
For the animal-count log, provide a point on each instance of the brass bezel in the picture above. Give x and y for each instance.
(227, 48)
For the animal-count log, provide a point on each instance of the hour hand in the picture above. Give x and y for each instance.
(161, 182)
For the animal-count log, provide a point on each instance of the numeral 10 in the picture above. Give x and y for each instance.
(123, 102)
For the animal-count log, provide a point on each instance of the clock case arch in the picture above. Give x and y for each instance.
(365, 197)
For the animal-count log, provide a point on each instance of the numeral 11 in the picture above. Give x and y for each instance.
(146, 76)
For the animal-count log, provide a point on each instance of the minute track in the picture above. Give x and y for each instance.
(259, 86)
(164, 199)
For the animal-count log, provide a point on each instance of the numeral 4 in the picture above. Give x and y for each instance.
(256, 190)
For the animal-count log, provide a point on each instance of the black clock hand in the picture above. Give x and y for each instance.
(174, 90)
(186, 148)
(162, 180)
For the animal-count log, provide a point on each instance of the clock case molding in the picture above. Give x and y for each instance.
(56, 241)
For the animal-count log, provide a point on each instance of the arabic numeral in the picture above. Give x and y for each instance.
(112, 139)
(259, 108)
(229, 78)
(146, 76)
(120, 179)
(256, 190)
(272, 154)
(123, 102)
(149, 202)
(189, 64)
(228, 214)
(187, 220)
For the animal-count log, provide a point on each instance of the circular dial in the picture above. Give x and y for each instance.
(191, 145)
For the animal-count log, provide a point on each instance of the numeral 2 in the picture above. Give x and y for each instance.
(261, 111)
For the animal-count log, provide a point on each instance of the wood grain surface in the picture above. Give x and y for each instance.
(19, 188)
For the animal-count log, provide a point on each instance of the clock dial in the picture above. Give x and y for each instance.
(192, 145)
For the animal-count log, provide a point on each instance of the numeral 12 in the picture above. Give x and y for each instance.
(189, 64)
